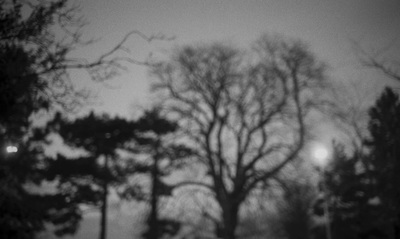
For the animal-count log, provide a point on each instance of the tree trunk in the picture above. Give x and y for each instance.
(230, 213)
(103, 220)
(153, 220)
(153, 224)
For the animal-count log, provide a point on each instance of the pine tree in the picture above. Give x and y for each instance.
(22, 94)
(363, 187)
(87, 179)
(36, 39)
(155, 143)
(384, 141)
(348, 186)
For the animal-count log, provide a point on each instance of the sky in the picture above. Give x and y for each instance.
(329, 27)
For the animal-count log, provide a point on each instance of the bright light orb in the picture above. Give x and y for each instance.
(321, 154)
(11, 149)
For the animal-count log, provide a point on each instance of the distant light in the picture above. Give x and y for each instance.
(320, 154)
(374, 201)
(11, 149)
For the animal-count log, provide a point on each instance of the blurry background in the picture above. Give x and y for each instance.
(336, 31)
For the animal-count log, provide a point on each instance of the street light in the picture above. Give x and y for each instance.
(321, 155)
(11, 149)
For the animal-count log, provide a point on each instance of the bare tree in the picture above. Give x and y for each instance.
(350, 110)
(50, 32)
(380, 60)
(245, 113)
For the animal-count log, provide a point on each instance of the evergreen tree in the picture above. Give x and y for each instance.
(348, 186)
(384, 141)
(23, 93)
(36, 38)
(87, 179)
(363, 188)
(154, 142)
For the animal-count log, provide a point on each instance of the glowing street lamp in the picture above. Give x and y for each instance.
(11, 149)
(321, 155)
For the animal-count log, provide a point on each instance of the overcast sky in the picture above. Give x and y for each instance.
(327, 26)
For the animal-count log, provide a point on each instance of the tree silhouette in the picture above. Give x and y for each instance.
(155, 140)
(22, 94)
(36, 41)
(294, 207)
(363, 187)
(376, 60)
(246, 121)
(349, 192)
(87, 178)
(384, 128)
(48, 51)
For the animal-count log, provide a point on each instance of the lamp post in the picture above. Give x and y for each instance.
(321, 158)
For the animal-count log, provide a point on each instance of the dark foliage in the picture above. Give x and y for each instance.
(154, 142)
(384, 141)
(23, 92)
(350, 193)
(295, 220)
(35, 40)
(34, 64)
(363, 188)
(85, 178)
(165, 227)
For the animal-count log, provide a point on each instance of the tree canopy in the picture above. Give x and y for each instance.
(86, 178)
(36, 40)
(244, 114)
(363, 191)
